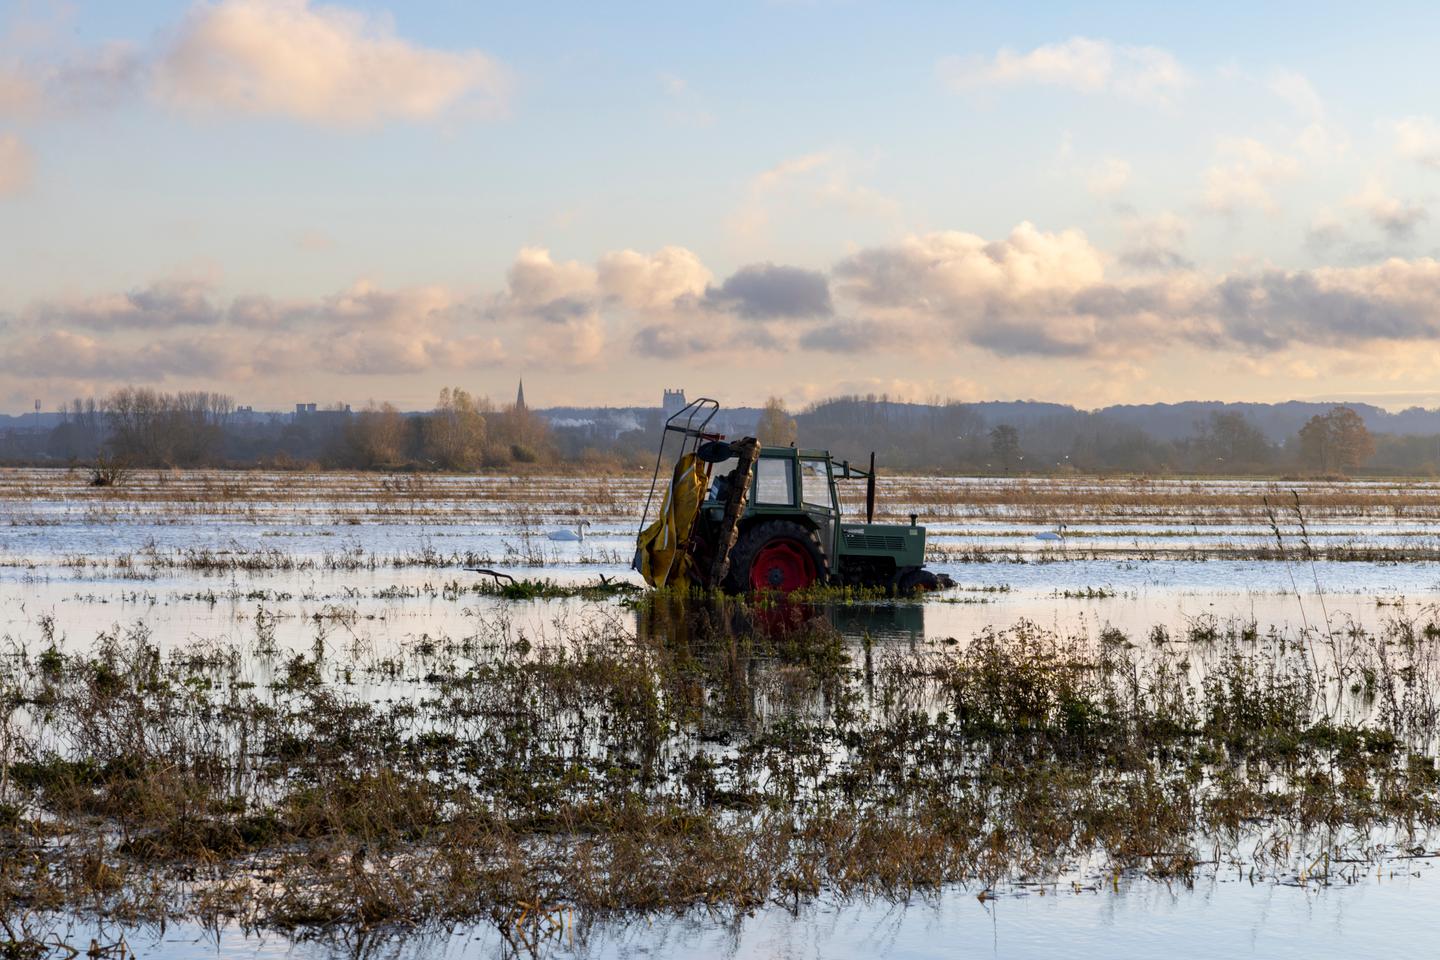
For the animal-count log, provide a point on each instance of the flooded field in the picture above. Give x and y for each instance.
(255, 713)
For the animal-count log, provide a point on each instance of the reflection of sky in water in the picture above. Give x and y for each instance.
(1217, 920)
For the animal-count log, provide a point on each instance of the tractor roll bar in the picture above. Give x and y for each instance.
(870, 491)
(855, 473)
(690, 421)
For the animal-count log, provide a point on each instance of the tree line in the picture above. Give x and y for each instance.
(140, 427)
(948, 436)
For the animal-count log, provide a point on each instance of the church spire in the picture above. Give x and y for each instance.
(520, 395)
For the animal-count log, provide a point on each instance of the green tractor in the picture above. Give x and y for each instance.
(741, 516)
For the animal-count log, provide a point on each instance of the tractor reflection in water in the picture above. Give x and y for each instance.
(746, 659)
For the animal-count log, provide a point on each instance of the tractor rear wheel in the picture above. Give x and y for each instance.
(777, 555)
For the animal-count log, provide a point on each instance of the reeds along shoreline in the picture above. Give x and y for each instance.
(692, 755)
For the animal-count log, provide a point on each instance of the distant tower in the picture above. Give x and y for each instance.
(673, 402)
(520, 395)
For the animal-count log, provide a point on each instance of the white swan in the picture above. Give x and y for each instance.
(1057, 534)
(570, 535)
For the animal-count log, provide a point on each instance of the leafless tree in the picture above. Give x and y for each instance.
(455, 431)
(776, 427)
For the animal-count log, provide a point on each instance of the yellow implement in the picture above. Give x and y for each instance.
(663, 554)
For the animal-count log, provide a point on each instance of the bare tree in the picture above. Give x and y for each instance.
(134, 416)
(147, 427)
(81, 432)
(776, 427)
(1231, 443)
(376, 437)
(517, 435)
(455, 432)
(1005, 445)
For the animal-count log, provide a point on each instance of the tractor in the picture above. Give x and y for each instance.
(742, 516)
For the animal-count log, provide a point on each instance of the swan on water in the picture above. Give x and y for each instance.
(1057, 534)
(571, 535)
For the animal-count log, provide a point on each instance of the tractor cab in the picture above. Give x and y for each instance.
(743, 516)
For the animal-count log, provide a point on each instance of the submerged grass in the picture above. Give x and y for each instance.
(688, 754)
(507, 587)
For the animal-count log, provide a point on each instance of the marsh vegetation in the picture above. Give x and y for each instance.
(693, 755)
(239, 704)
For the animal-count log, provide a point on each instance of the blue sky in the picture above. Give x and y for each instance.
(1080, 203)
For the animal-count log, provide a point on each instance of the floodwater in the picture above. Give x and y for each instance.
(196, 556)
(1393, 914)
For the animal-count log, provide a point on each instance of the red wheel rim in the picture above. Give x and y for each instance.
(782, 565)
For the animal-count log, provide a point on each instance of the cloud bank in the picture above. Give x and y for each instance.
(945, 294)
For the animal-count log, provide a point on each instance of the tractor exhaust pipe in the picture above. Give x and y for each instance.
(870, 491)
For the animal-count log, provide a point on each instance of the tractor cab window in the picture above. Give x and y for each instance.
(774, 483)
(722, 475)
(815, 483)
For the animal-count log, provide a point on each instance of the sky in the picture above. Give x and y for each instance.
(296, 201)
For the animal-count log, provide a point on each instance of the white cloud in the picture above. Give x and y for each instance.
(1049, 294)
(580, 307)
(653, 281)
(365, 305)
(1078, 63)
(818, 179)
(1108, 177)
(962, 269)
(17, 165)
(787, 169)
(318, 63)
(1146, 74)
(1320, 139)
(1155, 243)
(314, 62)
(179, 329)
(753, 216)
(1418, 139)
(1324, 232)
(1031, 293)
(1012, 295)
(1242, 178)
(535, 279)
(1397, 218)
(767, 291)
(67, 83)
(162, 305)
(664, 304)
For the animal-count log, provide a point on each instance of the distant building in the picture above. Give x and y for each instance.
(674, 402)
(520, 396)
(304, 410)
